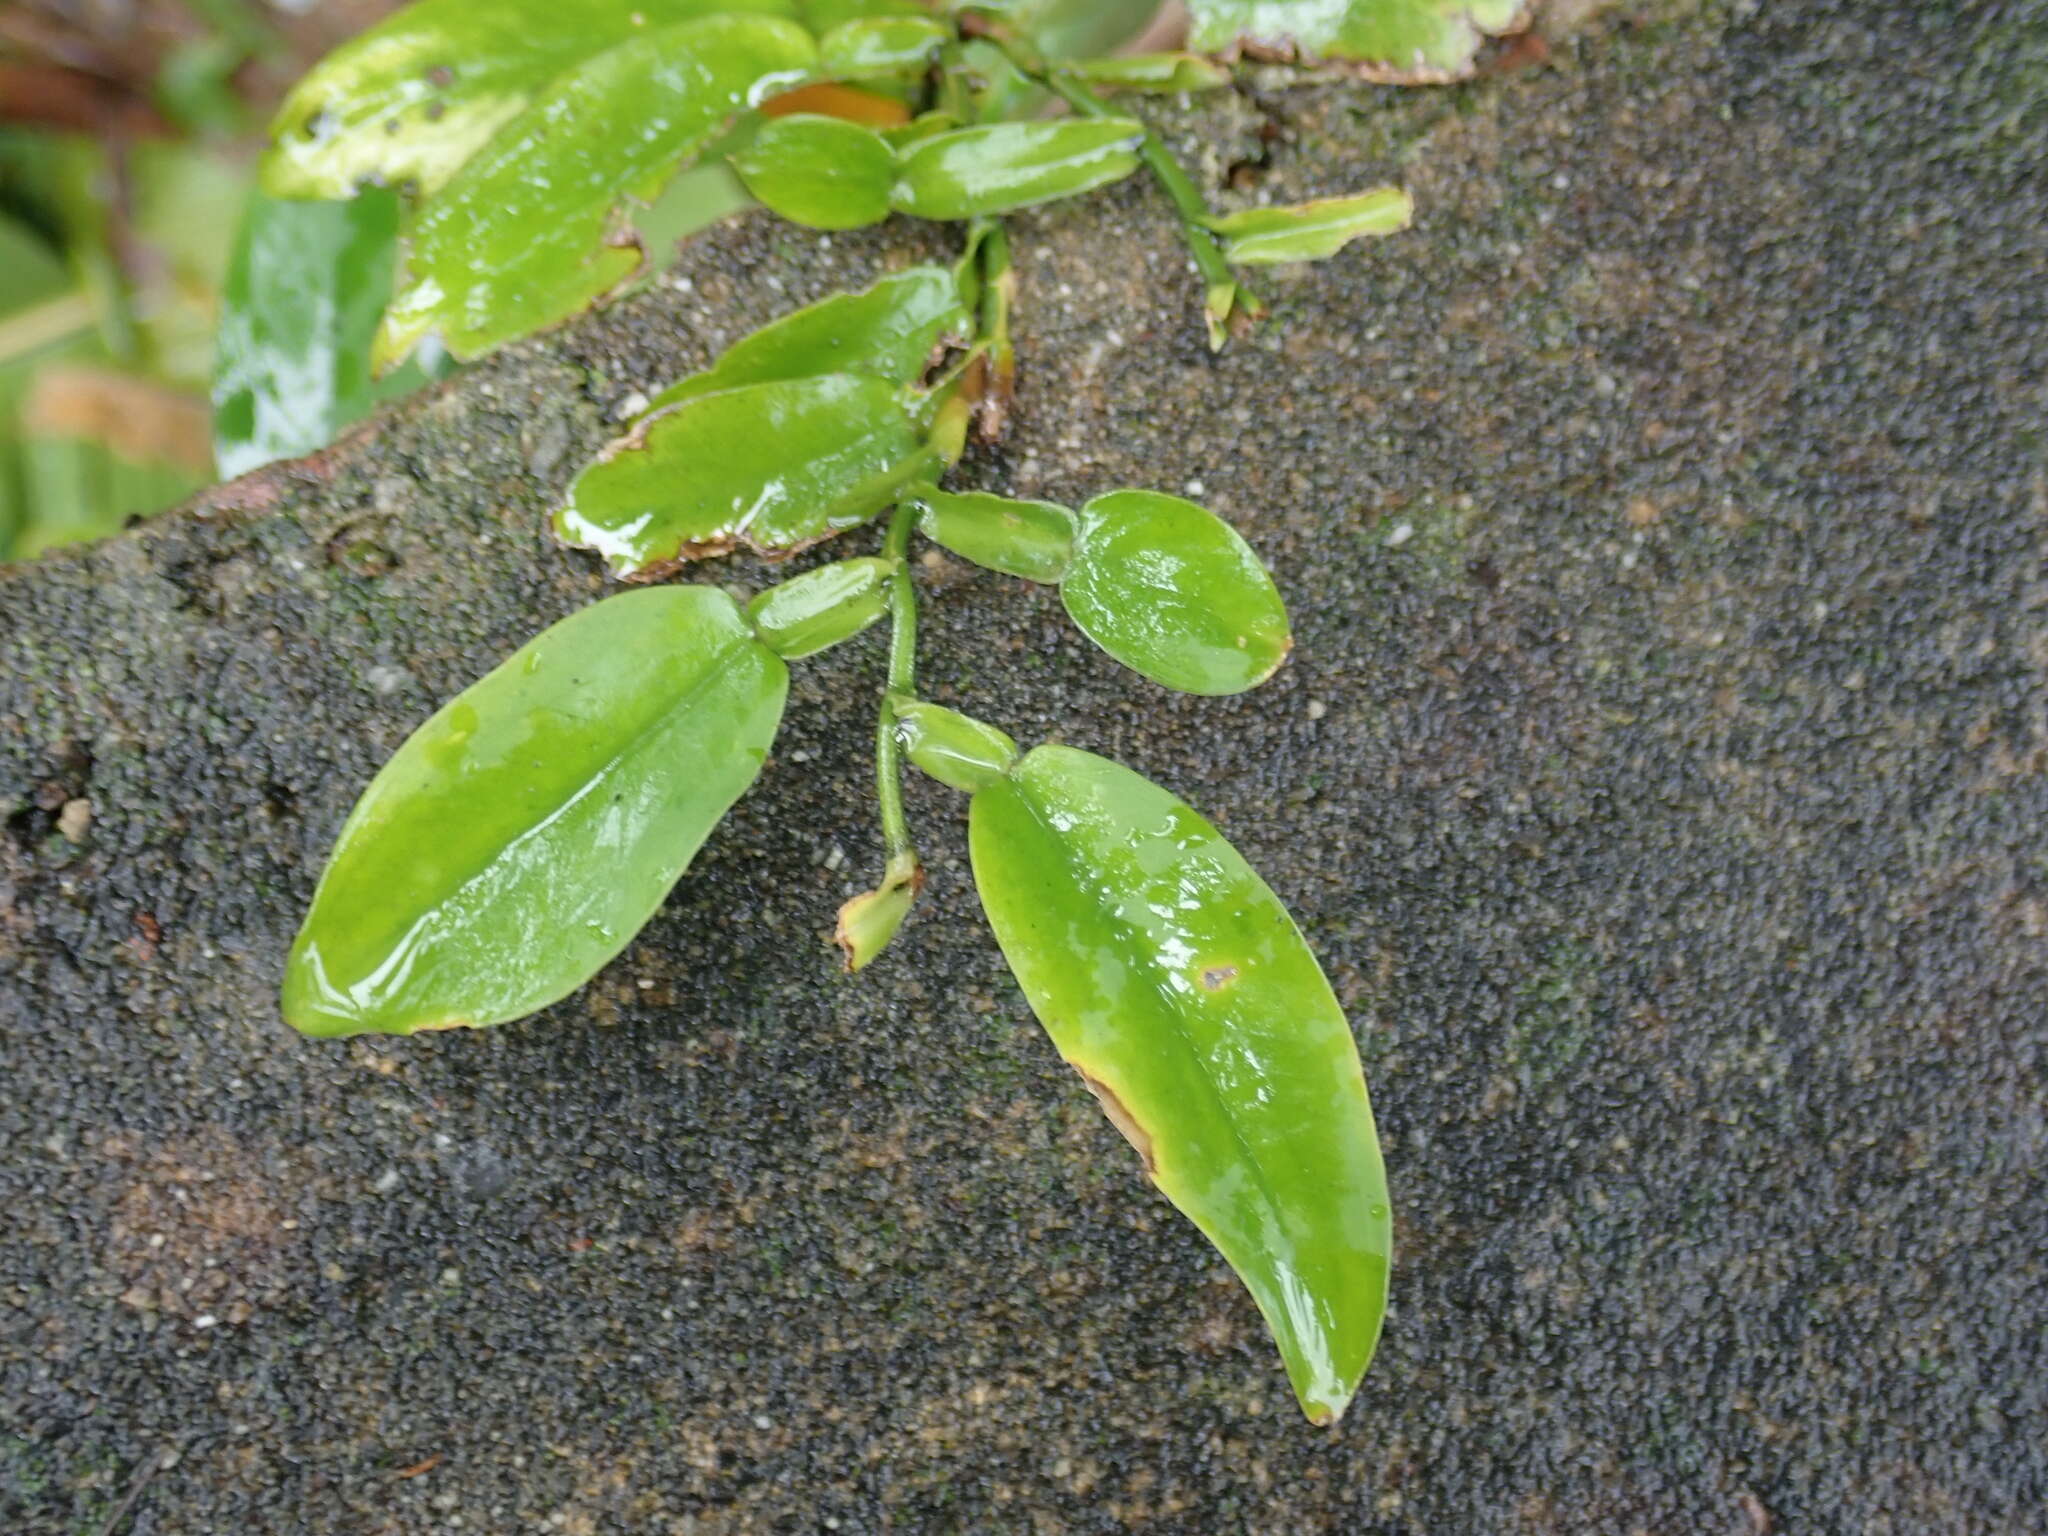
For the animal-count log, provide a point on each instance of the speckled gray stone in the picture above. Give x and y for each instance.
(1660, 772)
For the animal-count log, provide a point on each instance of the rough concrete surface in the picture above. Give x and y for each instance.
(1660, 772)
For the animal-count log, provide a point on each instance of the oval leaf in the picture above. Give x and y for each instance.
(959, 751)
(292, 358)
(415, 96)
(890, 331)
(1031, 539)
(1400, 41)
(1071, 29)
(1310, 231)
(1170, 976)
(1170, 590)
(874, 46)
(821, 172)
(773, 467)
(1001, 166)
(520, 838)
(817, 610)
(529, 232)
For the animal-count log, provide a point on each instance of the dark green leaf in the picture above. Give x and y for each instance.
(1003, 166)
(1310, 231)
(819, 171)
(303, 294)
(520, 838)
(1171, 977)
(1393, 40)
(531, 230)
(770, 467)
(415, 96)
(1170, 590)
(890, 331)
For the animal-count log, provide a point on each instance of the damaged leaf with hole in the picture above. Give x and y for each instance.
(1171, 977)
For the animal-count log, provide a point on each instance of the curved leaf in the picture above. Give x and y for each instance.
(819, 609)
(822, 172)
(415, 96)
(1170, 976)
(1310, 231)
(529, 232)
(890, 331)
(520, 838)
(1071, 29)
(1003, 166)
(1031, 539)
(772, 467)
(868, 47)
(1171, 590)
(1416, 41)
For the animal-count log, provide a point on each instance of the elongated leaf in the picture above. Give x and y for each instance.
(1031, 539)
(1072, 29)
(872, 47)
(1170, 590)
(1003, 166)
(415, 96)
(519, 839)
(529, 232)
(769, 466)
(821, 608)
(1152, 72)
(819, 171)
(889, 331)
(1395, 40)
(303, 295)
(1310, 231)
(1170, 976)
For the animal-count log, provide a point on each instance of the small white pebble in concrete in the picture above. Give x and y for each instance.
(1195, 487)
(1402, 533)
(451, 1276)
(632, 405)
(1317, 709)
(762, 1421)
(74, 819)
(205, 1320)
(387, 1181)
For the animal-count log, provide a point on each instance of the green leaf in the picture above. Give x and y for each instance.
(819, 171)
(532, 230)
(1171, 977)
(1310, 231)
(821, 16)
(1071, 29)
(889, 331)
(519, 839)
(879, 46)
(1003, 166)
(819, 609)
(771, 467)
(957, 750)
(303, 294)
(415, 96)
(1162, 73)
(1170, 590)
(1031, 539)
(1401, 41)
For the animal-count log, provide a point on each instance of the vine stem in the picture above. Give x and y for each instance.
(902, 684)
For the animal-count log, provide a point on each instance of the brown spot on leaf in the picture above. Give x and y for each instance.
(1217, 977)
(1121, 1117)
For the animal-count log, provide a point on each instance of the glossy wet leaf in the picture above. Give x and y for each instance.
(415, 96)
(1171, 590)
(1031, 539)
(1396, 40)
(1310, 231)
(959, 751)
(518, 840)
(998, 167)
(531, 230)
(303, 295)
(1171, 977)
(901, 46)
(821, 172)
(769, 467)
(889, 331)
(819, 609)
(821, 16)
(1073, 29)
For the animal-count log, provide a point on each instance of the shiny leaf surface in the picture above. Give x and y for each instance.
(1002, 166)
(529, 232)
(889, 331)
(821, 172)
(1031, 539)
(1395, 40)
(520, 838)
(767, 466)
(1170, 590)
(817, 610)
(1171, 977)
(1310, 231)
(300, 307)
(1073, 29)
(1152, 72)
(415, 96)
(901, 46)
(957, 750)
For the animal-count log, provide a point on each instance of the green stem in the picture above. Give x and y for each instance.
(998, 290)
(902, 684)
